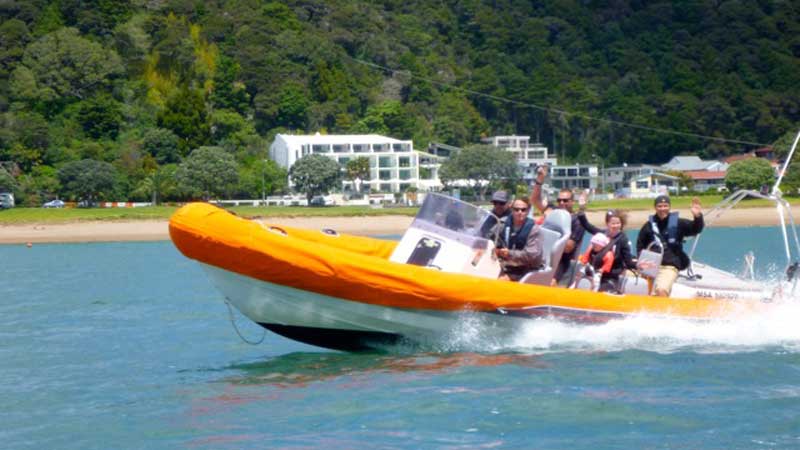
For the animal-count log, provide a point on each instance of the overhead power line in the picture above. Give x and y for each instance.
(555, 110)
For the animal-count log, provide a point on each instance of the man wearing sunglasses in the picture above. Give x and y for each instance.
(565, 200)
(500, 210)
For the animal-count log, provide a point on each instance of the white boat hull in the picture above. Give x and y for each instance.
(348, 325)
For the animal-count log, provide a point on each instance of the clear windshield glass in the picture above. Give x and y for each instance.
(455, 215)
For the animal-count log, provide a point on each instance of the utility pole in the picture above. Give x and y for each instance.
(263, 183)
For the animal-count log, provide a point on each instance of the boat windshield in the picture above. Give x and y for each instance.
(453, 214)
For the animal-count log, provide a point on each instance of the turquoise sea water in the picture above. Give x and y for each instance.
(128, 345)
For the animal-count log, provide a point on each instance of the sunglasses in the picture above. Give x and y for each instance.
(564, 200)
(519, 209)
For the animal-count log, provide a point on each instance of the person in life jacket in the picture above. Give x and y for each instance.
(618, 243)
(600, 256)
(668, 232)
(500, 211)
(519, 246)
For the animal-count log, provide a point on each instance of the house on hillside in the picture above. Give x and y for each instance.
(620, 177)
(705, 180)
(651, 185)
(693, 163)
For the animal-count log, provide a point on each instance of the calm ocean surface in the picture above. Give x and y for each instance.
(128, 345)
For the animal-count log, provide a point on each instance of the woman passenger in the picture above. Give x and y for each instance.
(618, 242)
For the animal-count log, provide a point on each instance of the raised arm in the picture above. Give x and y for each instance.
(588, 226)
(698, 223)
(536, 193)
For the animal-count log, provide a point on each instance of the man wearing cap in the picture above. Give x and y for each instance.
(667, 231)
(500, 209)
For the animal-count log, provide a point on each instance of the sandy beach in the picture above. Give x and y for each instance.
(375, 225)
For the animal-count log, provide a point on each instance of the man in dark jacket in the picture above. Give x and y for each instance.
(668, 232)
(500, 210)
(565, 270)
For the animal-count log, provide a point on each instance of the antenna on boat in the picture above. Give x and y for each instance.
(781, 206)
(785, 165)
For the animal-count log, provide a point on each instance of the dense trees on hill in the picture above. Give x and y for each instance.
(142, 85)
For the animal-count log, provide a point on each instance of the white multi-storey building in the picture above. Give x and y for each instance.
(530, 156)
(394, 165)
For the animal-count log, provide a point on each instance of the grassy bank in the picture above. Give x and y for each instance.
(17, 216)
(708, 202)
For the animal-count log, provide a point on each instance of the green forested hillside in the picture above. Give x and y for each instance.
(136, 86)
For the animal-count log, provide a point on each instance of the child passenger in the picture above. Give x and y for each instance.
(600, 256)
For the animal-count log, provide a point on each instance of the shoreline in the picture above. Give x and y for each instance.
(158, 230)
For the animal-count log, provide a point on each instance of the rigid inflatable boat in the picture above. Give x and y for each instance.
(354, 293)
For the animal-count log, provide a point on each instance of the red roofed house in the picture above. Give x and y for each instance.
(705, 179)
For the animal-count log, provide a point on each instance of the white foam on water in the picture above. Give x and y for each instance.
(778, 327)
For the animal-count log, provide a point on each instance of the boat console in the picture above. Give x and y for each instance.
(452, 236)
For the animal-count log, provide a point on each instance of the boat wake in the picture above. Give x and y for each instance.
(776, 329)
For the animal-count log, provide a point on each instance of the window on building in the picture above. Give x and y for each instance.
(572, 172)
(405, 174)
(321, 148)
(400, 147)
(643, 184)
(404, 161)
(536, 154)
(385, 175)
(385, 161)
(344, 160)
(340, 148)
(503, 143)
(361, 148)
(306, 149)
(559, 172)
(583, 171)
(380, 147)
(385, 187)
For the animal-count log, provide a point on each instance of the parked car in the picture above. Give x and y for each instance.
(320, 201)
(6, 200)
(54, 204)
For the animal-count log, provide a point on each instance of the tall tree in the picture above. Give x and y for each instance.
(162, 144)
(7, 182)
(207, 172)
(63, 66)
(100, 116)
(482, 166)
(315, 175)
(159, 184)
(357, 170)
(229, 92)
(185, 114)
(753, 173)
(87, 179)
